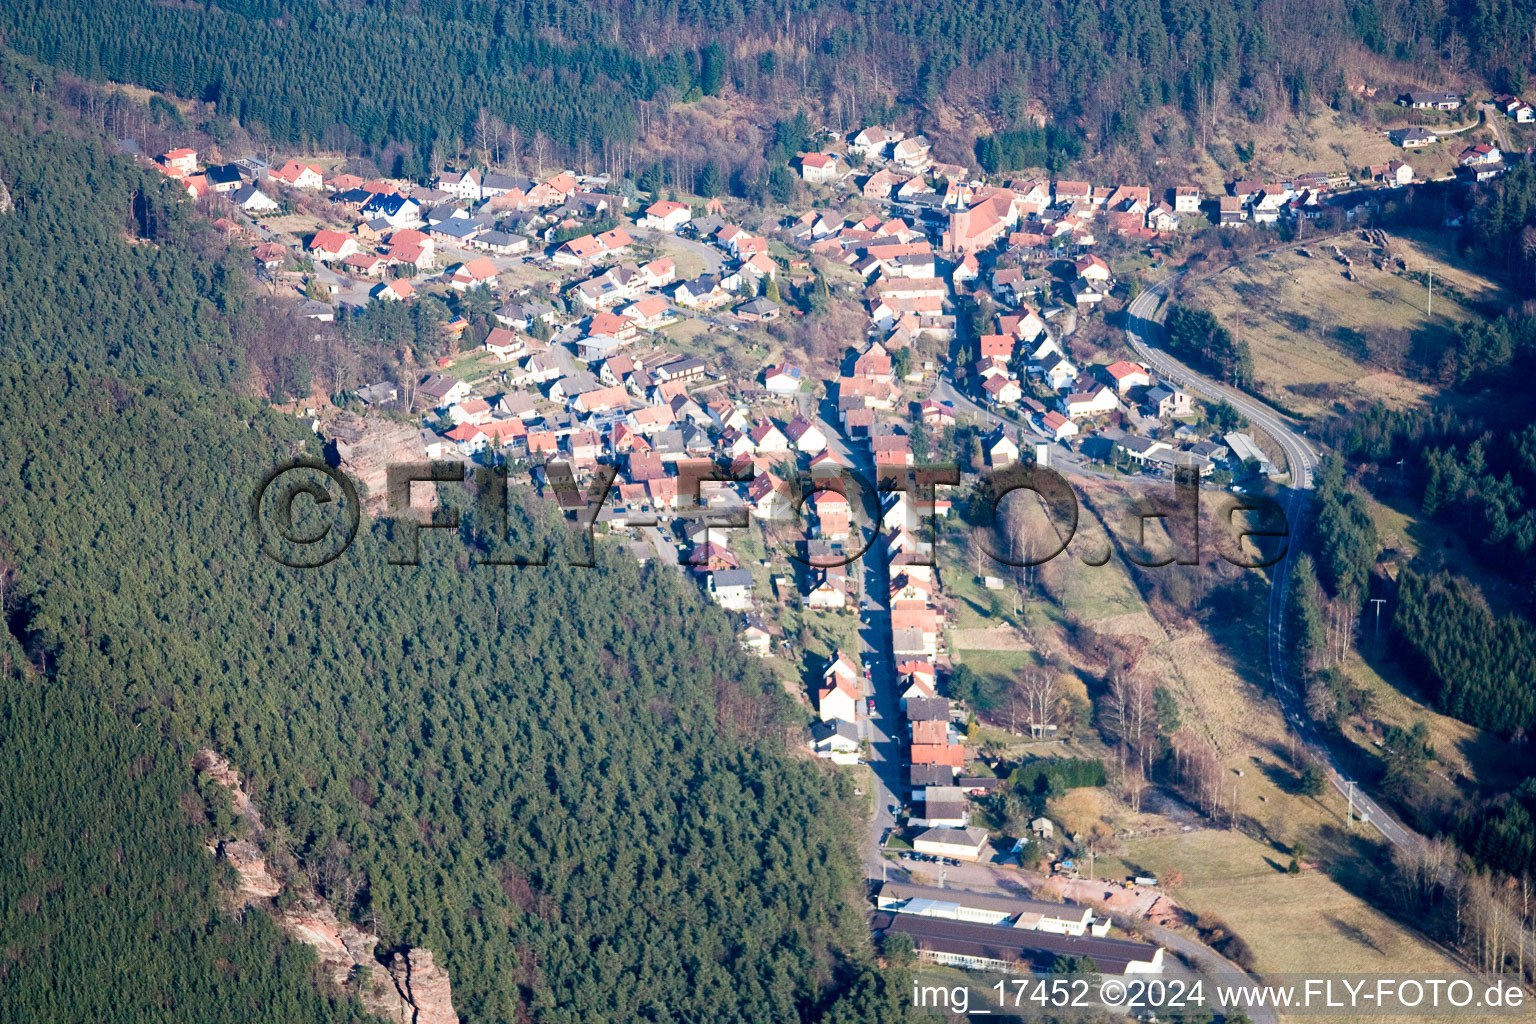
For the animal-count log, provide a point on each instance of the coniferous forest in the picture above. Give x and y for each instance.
(361, 77)
(566, 782)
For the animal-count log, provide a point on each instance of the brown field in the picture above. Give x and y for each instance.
(1307, 922)
(1324, 139)
(1219, 675)
(1308, 326)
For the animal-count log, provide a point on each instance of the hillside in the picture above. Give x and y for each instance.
(403, 82)
(567, 783)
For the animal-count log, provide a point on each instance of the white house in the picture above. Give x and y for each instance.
(1058, 427)
(253, 200)
(666, 215)
(820, 168)
(806, 436)
(329, 245)
(838, 696)
(836, 740)
(783, 379)
(960, 843)
(299, 175)
(732, 589)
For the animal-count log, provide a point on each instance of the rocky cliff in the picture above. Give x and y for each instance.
(408, 987)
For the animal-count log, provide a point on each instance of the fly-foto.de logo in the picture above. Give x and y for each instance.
(307, 513)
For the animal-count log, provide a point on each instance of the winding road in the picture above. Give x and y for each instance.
(1143, 329)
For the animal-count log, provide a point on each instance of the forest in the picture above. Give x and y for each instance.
(1195, 334)
(401, 81)
(568, 783)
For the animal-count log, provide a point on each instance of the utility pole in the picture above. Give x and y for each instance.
(1349, 794)
(1430, 304)
(1378, 602)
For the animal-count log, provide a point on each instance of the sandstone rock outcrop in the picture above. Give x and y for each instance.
(410, 989)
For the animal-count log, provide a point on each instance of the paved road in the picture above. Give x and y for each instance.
(1062, 457)
(1496, 122)
(1144, 329)
(887, 758)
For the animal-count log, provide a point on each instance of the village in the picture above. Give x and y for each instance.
(608, 319)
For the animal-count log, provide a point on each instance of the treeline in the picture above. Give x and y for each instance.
(1194, 334)
(568, 783)
(1502, 834)
(1050, 147)
(1504, 218)
(1346, 534)
(1480, 668)
(415, 76)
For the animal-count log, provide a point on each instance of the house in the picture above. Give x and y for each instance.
(937, 414)
(650, 313)
(833, 520)
(912, 153)
(783, 379)
(828, 591)
(329, 245)
(503, 344)
(223, 179)
(393, 291)
(298, 175)
(1003, 451)
(579, 250)
(768, 439)
(872, 142)
(253, 200)
(398, 211)
(1092, 268)
(1057, 426)
(757, 310)
(754, 636)
(1430, 100)
(1167, 402)
(460, 185)
(1163, 217)
(820, 168)
(1096, 401)
(806, 437)
(702, 292)
(179, 163)
(377, 394)
(960, 843)
(659, 273)
(836, 740)
(1058, 372)
(502, 243)
(1088, 292)
(1230, 211)
(731, 589)
(1186, 198)
(917, 688)
(1002, 390)
(838, 696)
(666, 215)
(479, 272)
(365, 264)
(1394, 172)
(1127, 375)
(1412, 138)
(441, 389)
(1479, 155)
